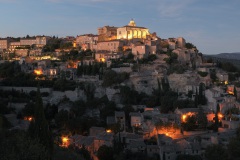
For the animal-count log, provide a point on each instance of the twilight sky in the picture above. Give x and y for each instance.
(212, 25)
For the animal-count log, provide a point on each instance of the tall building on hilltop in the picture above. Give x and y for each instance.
(132, 31)
(107, 33)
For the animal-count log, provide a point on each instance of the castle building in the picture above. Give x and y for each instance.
(107, 33)
(131, 31)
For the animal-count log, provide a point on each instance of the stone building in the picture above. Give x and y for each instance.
(107, 33)
(131, 31)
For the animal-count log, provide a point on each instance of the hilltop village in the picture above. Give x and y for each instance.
(123, 94)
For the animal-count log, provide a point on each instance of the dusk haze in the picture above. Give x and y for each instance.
(211, 25)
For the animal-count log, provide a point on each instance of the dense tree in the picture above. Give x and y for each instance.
(105, 153)
(61, 118)
(172, 58)
(188, 157)
(201, 119)
(67, 154)
(28, 110)
(214, 152)
(189, 46)
(190, 123)
(167, 102)
(227, 66)
(16, 145)
(111, 77)
(39, 129)
(201, 96)
(234, 146)
(216, 119)
(108, 110)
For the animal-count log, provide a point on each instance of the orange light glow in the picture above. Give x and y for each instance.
(230, 92)
(65, 141)
(38, 72)
(102, 60)
(184, 118)
(28, 119)
(72, 64)
(109, 131)
(220, 115)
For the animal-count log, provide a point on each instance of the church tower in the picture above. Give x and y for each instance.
(132, 23)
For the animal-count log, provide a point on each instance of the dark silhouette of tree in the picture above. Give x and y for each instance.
(234, 146)
(216, 123)
(16, 145)
(201, 96)
(39, 128)
(214, 152)
(105, 153)
(196, 99)
(201, 119)
(190, 123)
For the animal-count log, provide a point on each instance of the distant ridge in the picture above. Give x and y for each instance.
(235, 56)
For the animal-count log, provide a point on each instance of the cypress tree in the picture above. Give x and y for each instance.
(196, 99)
(216, 124)
(39, 128)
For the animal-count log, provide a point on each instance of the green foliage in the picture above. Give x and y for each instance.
(13, 76)
(28, 110)
(89, 89)
(4, 123)
(67, 154)
(234, 147)
(61, 118)
(39, 129)
(52, 44)
(202, 120)
(172, 58)
(16, 145)
(232, 111)
(201, 97)
(88, 69)
(216, 119)
(111, 77)
(130, 56)
(177, 68)
(78, 108)
(9, 69)
(105, 153)
(63, 85)
(202, 74)
(190, 124)
(84, 152)
(50, 111)
(183, 104)
(4, 109)
(214, 152)
(129, 96)
(148, 59)
(189, 46)
(67, 45)
(108, 110)
(213, 75)
(232, 76)
(167, 102)
(188, 157)
(227, 66)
